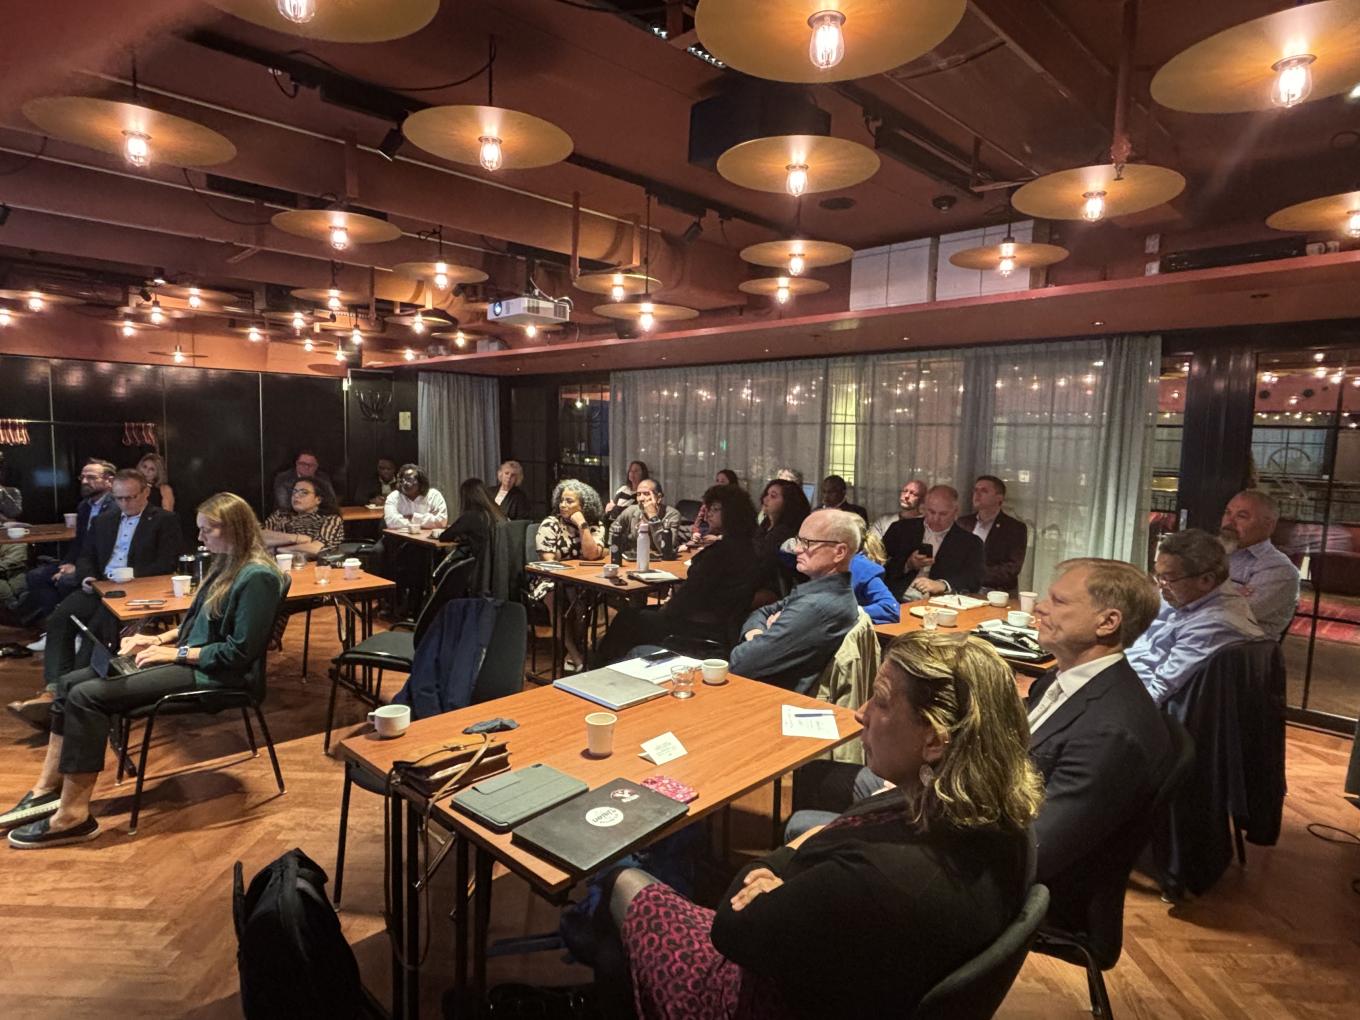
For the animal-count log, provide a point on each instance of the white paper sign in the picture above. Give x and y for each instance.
(662, 749)
(808, 722)
(654, 672)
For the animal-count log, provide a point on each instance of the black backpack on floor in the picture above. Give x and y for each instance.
(293, 959)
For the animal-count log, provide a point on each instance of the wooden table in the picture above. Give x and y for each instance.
(38, 533)
(588, 575)
(968, 620)
(734, 741)
(361, 513)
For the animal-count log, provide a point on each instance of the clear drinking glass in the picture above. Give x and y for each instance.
(930, 620)
(323, 573)
(682, 682)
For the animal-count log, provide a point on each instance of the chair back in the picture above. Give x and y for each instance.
(502, 670)
(453, 578)
(848, 679)
(530, 542)
(688, 509)
(976, 990)
(258, 677)
(507, 559)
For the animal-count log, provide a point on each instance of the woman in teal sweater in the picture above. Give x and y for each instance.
(220, 643)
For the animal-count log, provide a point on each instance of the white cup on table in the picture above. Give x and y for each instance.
(945, 617)
(1019, 618)
(179, 584)
(285, 561)
(390, 720)
(600, 734)
(16, 531)
(352, 567)
(714, 670)
(121, 575)
(998, 598)
(72, 520)
(1027, 600)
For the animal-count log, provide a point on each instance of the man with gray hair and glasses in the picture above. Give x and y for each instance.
(1264, 575)
(1202, 611)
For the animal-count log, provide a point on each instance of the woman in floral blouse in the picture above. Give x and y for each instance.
(575, 532)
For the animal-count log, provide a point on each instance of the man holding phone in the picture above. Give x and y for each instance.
(932, 555)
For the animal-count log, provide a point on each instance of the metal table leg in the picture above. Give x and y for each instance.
(412, 890)
(460, 914)
(481, 923)
(396, 890)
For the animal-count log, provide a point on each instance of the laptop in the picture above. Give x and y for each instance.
(502, 802)
(610, 688)
(597, 827)
(105, 660)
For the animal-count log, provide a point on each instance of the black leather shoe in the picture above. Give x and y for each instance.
(31, 809)
(39, 835)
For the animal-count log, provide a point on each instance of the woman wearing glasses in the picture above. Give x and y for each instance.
(862, 916)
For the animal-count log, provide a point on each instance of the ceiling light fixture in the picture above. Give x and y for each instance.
(128, 328)
(254, 335)
(797, 263)
(647, 316)
(797, 180)
(339, 236)
(418, 323)
(489, 152)
(195, 298)
(333, 299)
(179, 355)
(299, 320)
(339, 353)
(781, 290)
(409, 354)
(1293, 80)
(356, 337)
(441, 275)
(616, 288)
(307, 344)
(1093, 206)
(460, 338)
(299, 12)
(137, 148)
(827, 47)
(5, 317)
(1353, 223)
(35, 302)
(157, 316)
(531, 331)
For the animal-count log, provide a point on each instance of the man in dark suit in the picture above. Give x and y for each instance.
(49, 583)
(143, 537)
(1004, 538)
(834, 498)
(955, 559)
(1095, 733)
(788, 642)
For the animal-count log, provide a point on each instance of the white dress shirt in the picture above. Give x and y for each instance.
(1068, 683)
(983, 528)
(427, 511)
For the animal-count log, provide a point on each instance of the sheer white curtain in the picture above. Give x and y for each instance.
(1068, 425)
(458, 421)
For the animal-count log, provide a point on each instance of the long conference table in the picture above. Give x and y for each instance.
(734, 742)
(968, 620)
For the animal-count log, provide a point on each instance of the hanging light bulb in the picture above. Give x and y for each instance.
(339, 353)
(307, 344)
(299, 320)
(616, 291)
(460, 339)
(339, 236)
(255, 336)
(1293, 80)
(179, 355)
(35, 303)
(827, 48)
(128, 328)
(356, 337)
(409, 354)
(1353, 223)
(5, 317)
(648, 317)
(489, 155)
(781, 290)
(797, 181)
(418, 323)
(531, 331)
(157, 316)
(441, 275)
(1006, 266)
(195, 298)
(333, 299)
(1094, 207)
(137, 148)
(797, 263)
(299, 12)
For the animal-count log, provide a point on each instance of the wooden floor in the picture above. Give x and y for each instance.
(141, 925)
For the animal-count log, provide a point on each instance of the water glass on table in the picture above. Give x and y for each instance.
(323, 573)
(682, 682)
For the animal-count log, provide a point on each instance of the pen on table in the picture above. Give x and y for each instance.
(804, 715)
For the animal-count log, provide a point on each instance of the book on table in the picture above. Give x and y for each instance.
(596, 827)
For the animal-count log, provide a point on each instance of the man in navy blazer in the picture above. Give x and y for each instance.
(1095, 734)
(956, 558)
(49, 583)
(1004, 538)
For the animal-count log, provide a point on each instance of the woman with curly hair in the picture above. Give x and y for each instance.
(913, 882)
(574, 532)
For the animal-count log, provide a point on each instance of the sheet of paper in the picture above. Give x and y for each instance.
(653, 576)
(654, 672)
(807, 722)
(957, 601)
(662, 749)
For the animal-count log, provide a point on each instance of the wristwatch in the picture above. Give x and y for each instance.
(182, 655)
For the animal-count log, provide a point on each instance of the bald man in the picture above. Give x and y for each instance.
(1266, 577)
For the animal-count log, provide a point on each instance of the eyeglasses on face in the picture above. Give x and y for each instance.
(1164, 581)
(303, 490)
(800, 543)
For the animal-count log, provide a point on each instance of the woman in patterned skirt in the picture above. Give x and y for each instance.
(862, 916)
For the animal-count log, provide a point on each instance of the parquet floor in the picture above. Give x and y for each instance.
(141, 925)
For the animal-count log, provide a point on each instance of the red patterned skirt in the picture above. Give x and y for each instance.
(677, 972)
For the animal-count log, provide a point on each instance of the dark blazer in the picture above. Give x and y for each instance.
(718, 588)
(872, 914)
(959, 560)
(516, 505)
(1004, 550)
(156, 542)
(813, 621)
(1102, 754)
(83, 523)
(850, 508)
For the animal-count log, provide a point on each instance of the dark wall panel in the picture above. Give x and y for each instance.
(24, 388)
(374, 432)
(29, 469)
(105, 391)
(213, 438)
(302, 412)
(78, 443)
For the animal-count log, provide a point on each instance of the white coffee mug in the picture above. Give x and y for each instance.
(121, 574)
(600, 733)
(179, 584)
(714, 670)
(72, 520)
(946, 617)
(16, 532)
(1027, 600)
(352, 567)
(285, 561)
(998, 598)
(390, 720)
(415, 528)
(1019, 618)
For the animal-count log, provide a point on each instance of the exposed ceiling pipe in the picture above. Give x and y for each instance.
(1121, 147)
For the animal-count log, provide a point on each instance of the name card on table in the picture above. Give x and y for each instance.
(662, 749)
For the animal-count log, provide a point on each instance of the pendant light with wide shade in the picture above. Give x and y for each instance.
(141, 135)
(1332, 214)
(798, 164)
(341, 21)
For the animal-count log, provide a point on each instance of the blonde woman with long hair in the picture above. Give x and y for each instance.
(152, 468)
(862, 916)
(220, 643)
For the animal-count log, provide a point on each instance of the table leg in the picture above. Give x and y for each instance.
(559, 629)
(460, 914)
(396, 889)
(481, 923)
(414, 867)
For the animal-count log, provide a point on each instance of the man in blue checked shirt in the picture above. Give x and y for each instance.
(1264, 575)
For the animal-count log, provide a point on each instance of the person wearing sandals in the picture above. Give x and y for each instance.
(219, 644)
(913, 882)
